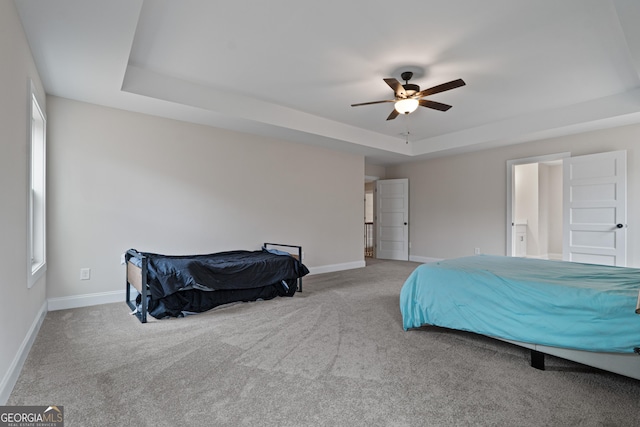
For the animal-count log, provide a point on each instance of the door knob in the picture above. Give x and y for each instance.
(619, 225)
(405, 223)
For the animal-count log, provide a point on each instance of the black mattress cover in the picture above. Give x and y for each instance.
(232, 270)
(196, 301)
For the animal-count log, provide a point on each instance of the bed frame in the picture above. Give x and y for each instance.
(627, 364)
(137, 277)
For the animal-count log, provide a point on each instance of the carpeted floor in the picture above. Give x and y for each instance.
(334, 355)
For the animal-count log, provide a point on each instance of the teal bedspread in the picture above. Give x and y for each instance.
(554, 303)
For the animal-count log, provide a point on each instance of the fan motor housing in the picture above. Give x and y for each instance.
(411, 89)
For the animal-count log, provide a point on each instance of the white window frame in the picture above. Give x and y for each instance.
(37, 218)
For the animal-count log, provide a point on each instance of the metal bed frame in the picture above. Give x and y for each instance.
(627, 364)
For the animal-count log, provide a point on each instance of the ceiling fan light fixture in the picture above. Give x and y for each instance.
(406, 106)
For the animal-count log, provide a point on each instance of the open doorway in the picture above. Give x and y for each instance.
(369, 215)
(535, 220)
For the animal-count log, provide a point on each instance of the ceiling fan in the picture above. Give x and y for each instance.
(407, 96)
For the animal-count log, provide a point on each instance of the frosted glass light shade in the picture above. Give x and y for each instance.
(406, 106)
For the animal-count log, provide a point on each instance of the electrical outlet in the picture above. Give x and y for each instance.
(302, 255)
(476, 251)
(85, 274)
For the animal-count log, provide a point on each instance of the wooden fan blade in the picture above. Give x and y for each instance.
(393, 114)
(396, 86)
(433, 104)
(441, 88)
(373, 102)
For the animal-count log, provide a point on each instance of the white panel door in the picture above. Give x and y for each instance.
(595, 208)
(393, 219)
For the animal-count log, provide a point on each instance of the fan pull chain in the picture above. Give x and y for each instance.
(406, 122)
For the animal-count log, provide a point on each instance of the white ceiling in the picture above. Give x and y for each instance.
(291, 68)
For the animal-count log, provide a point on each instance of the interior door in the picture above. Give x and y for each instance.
(595, 208)
(393, 219)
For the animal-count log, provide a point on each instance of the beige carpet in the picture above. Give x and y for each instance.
(334, 355)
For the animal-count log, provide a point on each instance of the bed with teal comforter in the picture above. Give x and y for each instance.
(552, 303)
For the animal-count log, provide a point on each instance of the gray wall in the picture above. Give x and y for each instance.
(19, 306)
(119, 180)
(458, 203)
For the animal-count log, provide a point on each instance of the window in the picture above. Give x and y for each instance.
(36, 233)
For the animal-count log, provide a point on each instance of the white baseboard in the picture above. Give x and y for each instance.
(87, 300)
(423, 259)
(11, 377)
(337, 267)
